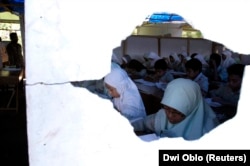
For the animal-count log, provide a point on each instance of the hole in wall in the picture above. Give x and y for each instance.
(174, 43)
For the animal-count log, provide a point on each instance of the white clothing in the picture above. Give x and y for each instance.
(174, 65)
(126, 59)
(229, 60)
(151, 57)
(184, 95)
(115, 58)
(175, 56)
(130, 103)
(202, 80)
(202, 60)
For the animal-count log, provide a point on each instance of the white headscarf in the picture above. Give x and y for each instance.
(202, 60)
(115, 58)
(184, 54)
(152, 57)
(185, 96)
(175, 56)
(126, 58)
(129, 103)
(174, 65)
(229, 60)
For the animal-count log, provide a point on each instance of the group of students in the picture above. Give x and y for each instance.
(11, 54)
(219, 78)
(185, 112)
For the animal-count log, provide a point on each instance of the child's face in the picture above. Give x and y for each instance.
(112, 91)
(159, 72)
(234, 82)
(171, 59)
(191, 74)
(173, 115)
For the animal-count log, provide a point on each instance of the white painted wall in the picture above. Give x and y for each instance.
(71, 126)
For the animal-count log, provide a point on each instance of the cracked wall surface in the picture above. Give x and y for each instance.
(73, 40)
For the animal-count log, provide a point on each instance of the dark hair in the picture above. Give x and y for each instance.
(216, 57)
(194, 64)
(193, 55)
(135, 64)
(236, 69)
(13, 36)
(161, 64)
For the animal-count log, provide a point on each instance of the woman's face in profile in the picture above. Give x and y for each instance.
(159, 72)
(112, 91)
(173, 115)
(191, 74)
(234, 82)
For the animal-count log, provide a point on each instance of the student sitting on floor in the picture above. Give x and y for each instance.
(184, 113)
(194, 72)
(125, 95)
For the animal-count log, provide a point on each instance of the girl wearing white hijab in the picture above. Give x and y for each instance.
(201, 58)
(150, 59)
(227, 59)
(204, 63)
(115, 59)
(184, 113)
(174, 61)
(126, 97)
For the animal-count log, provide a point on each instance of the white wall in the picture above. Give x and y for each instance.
(136, 46)
(169, 46)
(71, 126)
